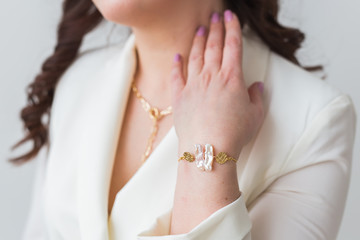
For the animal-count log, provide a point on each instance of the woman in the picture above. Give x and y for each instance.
(286, 137)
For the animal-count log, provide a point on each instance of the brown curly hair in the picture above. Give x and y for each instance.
(79, 17)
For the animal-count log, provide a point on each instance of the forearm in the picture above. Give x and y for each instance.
(198, 193)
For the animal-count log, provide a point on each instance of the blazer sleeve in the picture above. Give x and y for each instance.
(35, 224)
(305, 202)
(229, 222)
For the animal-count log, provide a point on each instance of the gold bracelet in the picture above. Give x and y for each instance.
(204, 159)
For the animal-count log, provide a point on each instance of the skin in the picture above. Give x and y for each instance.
(208, 66)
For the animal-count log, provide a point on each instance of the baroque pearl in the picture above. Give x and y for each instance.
(208, 157)
(199, 157)
(203, 159)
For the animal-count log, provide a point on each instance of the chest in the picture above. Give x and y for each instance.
(132, 143)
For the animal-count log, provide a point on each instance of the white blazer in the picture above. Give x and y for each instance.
(294, 175)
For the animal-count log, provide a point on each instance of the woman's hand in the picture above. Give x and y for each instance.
(213, 104)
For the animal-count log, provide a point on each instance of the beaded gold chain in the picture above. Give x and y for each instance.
(155, 115)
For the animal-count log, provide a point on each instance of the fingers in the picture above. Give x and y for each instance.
(232, 54)
(219, 51)
(177, 77)
(214, 44)
(256, 91)
(196, 57)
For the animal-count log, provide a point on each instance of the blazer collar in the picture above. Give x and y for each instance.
(101, 123)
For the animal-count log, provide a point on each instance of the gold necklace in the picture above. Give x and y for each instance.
(155, 115)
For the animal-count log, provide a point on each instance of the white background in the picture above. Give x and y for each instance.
(28, 36)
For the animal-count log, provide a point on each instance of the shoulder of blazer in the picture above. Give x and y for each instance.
(293, 87)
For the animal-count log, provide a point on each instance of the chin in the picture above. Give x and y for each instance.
(118, 11)
(128, 12)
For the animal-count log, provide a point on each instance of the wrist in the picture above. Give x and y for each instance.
(206, 159)
(221, 181)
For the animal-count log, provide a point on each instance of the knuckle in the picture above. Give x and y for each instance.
(196, 58)
(213, 57)
(213, 60)
(232, 42)
(213, 45)
(225, 75)
(230, 77)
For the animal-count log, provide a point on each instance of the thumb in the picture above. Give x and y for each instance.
(256, 91)
(177, 76)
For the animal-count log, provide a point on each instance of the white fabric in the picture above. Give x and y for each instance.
(293, 176)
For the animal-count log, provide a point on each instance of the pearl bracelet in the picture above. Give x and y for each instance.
(205, 159)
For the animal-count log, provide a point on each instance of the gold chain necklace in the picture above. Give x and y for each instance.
(155, 115)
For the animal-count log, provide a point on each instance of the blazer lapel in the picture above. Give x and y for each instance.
(101, 118)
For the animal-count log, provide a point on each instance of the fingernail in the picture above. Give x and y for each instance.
(215, 17)
(177, 58)
(261, 87)
(228, 15)
(200, 31)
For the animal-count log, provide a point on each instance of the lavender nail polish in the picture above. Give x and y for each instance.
(200, 31)
(228, 15)
(261, 87)
(215, 17)
(177, 57)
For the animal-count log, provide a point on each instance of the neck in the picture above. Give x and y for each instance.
(158, 41)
